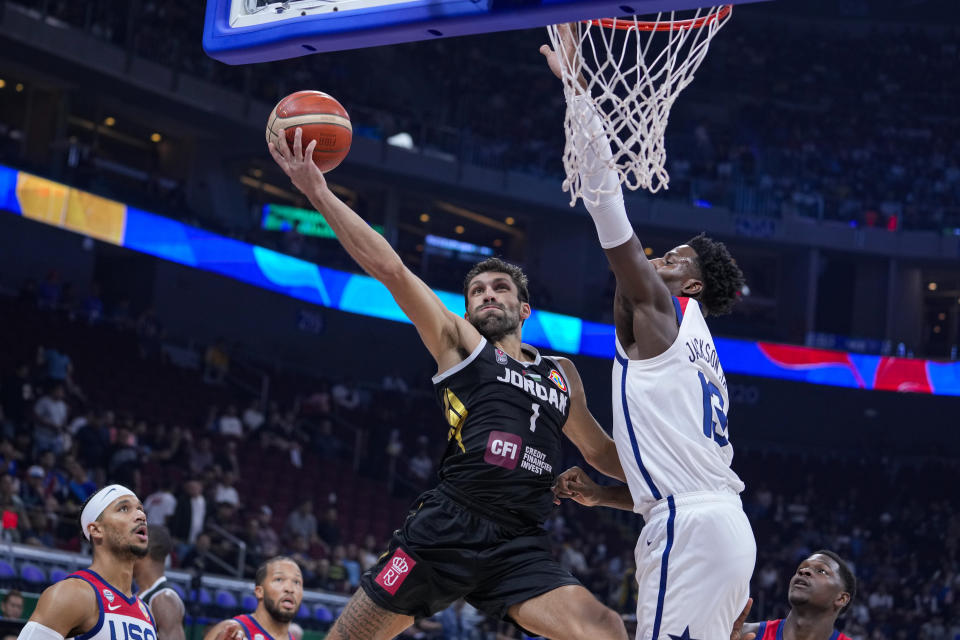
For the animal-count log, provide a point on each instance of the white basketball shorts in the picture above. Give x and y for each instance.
(694, 558)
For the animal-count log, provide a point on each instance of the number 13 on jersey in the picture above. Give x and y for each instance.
(714, 419)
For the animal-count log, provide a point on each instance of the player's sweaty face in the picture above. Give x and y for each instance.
(282, 590)
(125, 523)
(676, 267)
(493, 305)
(816, 581)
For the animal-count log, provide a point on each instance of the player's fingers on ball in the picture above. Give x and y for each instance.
(298, 143)
(310, 147)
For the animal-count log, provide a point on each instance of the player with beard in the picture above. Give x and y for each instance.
(279, 591)
(478, 535)
(820, 591)
(93, 603)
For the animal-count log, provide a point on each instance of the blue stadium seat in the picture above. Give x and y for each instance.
(56, 575)
(303, 613)
(322, 614)
(176, 587)
(201, 596)
(7, 571)
(249, 602)
(32, 574)
(226, 600)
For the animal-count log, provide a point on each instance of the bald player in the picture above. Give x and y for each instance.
(97, 603)
(164, 603)
(279, 591)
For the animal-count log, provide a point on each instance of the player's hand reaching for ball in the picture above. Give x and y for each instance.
(298, 164)
(574, 484)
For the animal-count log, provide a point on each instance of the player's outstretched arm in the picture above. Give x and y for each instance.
(168, 614)
(574, 484)
(67, 608)
(597, 448)
(444, 333)
(638, 282)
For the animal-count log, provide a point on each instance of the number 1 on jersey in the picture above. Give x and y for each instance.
(533, 418)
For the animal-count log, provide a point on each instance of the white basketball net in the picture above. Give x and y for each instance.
(633, 74)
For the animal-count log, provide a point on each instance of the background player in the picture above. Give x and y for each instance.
(93, 603)
(164, 603)
(696, 552)
(479, 535)
(820, 591)
(279, 591)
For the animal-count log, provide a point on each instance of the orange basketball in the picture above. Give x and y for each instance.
(321, 117)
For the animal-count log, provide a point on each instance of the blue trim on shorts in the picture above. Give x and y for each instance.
(663, 568)
(633, 438)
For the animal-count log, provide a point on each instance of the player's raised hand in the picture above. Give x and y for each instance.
(574, 484)
(565, 58)
(737, 632)
(298, 164)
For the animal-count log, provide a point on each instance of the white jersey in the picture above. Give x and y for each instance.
(670, 417)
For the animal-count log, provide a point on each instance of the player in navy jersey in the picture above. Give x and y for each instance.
(97, 603)
(479, 534)
(821, 590)
(279, 592)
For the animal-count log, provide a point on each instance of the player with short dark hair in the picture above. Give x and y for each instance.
(696, 552)
(12, 605)
(820, 591)
(479, 535)
(165, 603)
(279, 592)
(93, 604)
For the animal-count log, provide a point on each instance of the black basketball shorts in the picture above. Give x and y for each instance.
(446, 551)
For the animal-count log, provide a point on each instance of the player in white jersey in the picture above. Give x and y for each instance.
(97, 603)
(164, 603)
(696, 552)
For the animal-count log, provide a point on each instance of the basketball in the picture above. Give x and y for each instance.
(322, 118)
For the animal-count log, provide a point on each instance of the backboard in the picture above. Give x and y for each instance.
(245, 31)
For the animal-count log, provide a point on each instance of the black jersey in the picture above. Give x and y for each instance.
(506, 419)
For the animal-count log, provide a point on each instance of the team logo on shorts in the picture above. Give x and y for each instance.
(395, 572)
(501, 357)
(108, 595)
(503, 449)
(557, 379)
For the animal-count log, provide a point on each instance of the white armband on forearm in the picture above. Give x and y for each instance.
(36, 631)
(603, 196)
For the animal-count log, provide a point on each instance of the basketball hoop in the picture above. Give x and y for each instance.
(630, 71)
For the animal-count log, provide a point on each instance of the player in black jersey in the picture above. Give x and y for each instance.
(479, 534)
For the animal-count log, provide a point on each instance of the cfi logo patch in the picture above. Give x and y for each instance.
(557, 379)
(533, 375)
(396, 571)
(143, 609)
(108, 595)
(501, 356)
